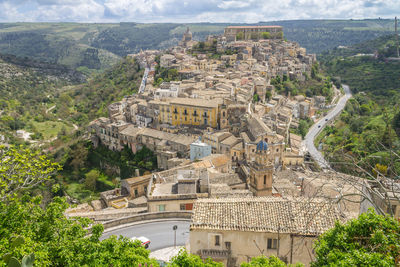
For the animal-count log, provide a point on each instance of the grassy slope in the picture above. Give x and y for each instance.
(27, 89)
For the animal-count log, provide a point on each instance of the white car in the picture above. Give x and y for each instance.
(144, 240)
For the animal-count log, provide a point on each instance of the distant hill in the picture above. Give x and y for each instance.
(373, 72)
(98, 46)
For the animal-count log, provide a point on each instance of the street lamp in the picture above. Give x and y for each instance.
(174, 228)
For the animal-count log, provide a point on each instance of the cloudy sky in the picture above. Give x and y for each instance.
(193, 10)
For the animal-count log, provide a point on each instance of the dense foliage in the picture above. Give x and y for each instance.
(58, 241)
(88, 170)
(263, 261)
(317, 84)
(27, 90)
(22, 169)
(89, 101)
(370, 240)
(366, 132)
(184, 259)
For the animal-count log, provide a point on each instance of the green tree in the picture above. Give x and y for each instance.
(266, 35)
(303, 128)
(254, 36)
(22, 169)
(370, 240)
(79, 155)
(256, 98)
(314, 70)
(396, 124)
(91, 179)
(240, 36)
(57, 240)
(263, 261)
(268, 95)
(184, 259)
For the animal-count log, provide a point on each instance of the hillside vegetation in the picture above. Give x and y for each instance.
(368, 131)
(54, 104)
(27, 90)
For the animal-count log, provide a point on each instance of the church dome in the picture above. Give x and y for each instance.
(262, 146)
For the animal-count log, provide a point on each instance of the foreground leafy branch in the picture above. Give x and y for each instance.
(21, 169)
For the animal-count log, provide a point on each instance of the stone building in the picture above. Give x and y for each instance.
(233, 230)
(199, 150)
(190, 111)
(252, 32)
(136, 186)
(261, 171)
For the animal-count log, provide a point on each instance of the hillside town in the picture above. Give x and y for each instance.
(227, 149)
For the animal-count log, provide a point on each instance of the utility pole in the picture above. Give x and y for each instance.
(397, 36)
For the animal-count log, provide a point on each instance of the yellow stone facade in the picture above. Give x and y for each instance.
(187, 111)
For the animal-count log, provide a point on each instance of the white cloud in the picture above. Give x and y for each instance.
(193, 10)
(234, 4)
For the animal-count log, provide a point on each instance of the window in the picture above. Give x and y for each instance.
(188, 206)
(265, 179)
(217, 237)
(136, 193)
(228, 245)
(272, 243)
(145, 189)
(277, 150)
(161, 207)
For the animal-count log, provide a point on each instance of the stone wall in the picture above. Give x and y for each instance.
(148, 217)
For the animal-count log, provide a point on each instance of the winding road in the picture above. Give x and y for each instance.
(317, 128)
(160, 233)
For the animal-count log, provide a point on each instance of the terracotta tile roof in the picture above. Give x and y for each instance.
(131, 130)
(230, 141)
(265, 214)
(139, 179)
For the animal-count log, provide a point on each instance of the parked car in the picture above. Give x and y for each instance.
(144, 240)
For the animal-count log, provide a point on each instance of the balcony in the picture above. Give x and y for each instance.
(214, 253)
